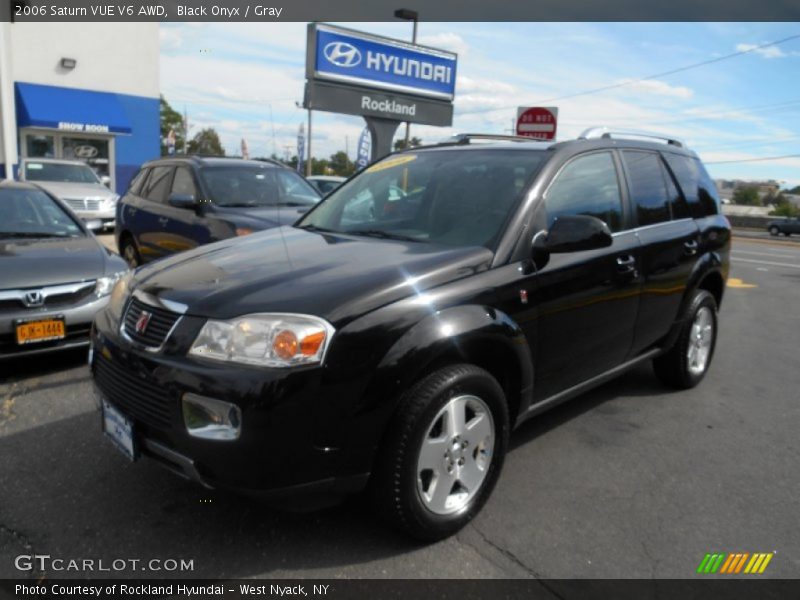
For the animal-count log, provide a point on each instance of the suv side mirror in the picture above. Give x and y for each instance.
(573, 233)
(182, 201)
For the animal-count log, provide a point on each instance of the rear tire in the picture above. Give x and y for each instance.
(443, 452)
(127, 248)
(687, 362)
(774, 230)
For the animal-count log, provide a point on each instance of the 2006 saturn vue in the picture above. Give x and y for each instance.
(391, 340)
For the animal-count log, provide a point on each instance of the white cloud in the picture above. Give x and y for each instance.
(660, 88)
(765, 52)
(446, 41)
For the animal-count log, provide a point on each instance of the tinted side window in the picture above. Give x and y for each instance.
(135, 186)
(158, 184)
(587, 186)
(677, 203)
(697, 186)
(183, 183)
(647, 187)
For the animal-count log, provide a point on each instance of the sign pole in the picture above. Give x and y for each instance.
(308, 162)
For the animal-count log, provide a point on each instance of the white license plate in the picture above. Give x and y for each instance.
(119, 429)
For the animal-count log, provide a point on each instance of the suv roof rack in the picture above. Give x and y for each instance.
(606, 132)
(466, 138)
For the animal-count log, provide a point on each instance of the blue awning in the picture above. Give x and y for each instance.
(71, 110)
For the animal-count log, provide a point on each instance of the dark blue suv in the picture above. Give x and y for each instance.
(178, 203)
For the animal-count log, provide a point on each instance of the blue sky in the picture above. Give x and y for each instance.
(244, 79)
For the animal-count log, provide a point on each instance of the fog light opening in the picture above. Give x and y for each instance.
(211, 419)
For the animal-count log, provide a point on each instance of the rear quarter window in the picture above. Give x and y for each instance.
(696, 184)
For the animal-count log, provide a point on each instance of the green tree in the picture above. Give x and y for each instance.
(171, 120)
(341, 164)
(412, 143)
(794, 190)
(786, 209)
(206, 142)
(747, 195)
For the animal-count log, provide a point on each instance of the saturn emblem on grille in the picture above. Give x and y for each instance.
(142, 321)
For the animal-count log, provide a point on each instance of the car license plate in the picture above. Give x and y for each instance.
(120, 430)
(43, 330)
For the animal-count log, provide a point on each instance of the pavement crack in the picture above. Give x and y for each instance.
(508, 554)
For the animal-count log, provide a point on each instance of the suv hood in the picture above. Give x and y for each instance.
(64, 189)
(337, 277)
(29, 263)
(261, 217)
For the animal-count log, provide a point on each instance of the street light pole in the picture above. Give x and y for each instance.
(408, 15)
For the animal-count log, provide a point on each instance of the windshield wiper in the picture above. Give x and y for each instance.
(241, 205)
(310, 227)
(292, 204)
(379, 233)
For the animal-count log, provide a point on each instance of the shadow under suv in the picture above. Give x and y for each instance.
(391, 341)
(180, 202)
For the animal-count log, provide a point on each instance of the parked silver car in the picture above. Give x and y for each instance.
(54, 274)
(76, 184)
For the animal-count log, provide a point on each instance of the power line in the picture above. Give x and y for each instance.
(649, 77)
(748, 160)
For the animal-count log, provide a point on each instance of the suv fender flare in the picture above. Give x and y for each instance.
(709, 265)
(460, 334)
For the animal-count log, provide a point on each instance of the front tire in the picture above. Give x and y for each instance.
(443, 453)
(687, 362)
(129, 252)
(774, 230)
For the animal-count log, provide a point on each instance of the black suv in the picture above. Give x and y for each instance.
(394, 336)
(178, 203)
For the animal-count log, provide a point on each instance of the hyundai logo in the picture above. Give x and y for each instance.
(342, 54)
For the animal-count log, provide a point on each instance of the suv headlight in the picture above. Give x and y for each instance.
(119, 295)
(105, 285)
(268, 340)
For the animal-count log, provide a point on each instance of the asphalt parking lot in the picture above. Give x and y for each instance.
(629, 480)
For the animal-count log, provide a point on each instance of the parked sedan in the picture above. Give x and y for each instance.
(325, 184)
(178, 203)
(54, 274)
(76, 184)
(785, 226)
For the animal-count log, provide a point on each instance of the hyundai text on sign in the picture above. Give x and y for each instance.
(537, 122)
(348, 56)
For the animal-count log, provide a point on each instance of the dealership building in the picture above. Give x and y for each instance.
(85, 91)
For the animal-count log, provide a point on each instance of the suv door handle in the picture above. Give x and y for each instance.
(626, 264)
(163, 220)
(690, 247)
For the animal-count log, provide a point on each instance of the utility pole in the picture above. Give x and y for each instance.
(185, 131)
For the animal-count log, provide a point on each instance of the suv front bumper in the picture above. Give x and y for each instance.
(275, 456)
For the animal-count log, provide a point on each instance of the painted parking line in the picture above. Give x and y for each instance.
(775, 253)
(734, 282)
(766, 262)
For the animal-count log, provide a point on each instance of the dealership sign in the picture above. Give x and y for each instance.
(354, 57)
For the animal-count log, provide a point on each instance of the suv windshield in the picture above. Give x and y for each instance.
(32, 213)
(257, 186)
(62, 172)
(453, 197)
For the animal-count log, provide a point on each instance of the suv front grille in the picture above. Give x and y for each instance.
(157, 327)
(142, 399)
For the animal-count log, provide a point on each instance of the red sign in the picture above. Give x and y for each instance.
(537, 122)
